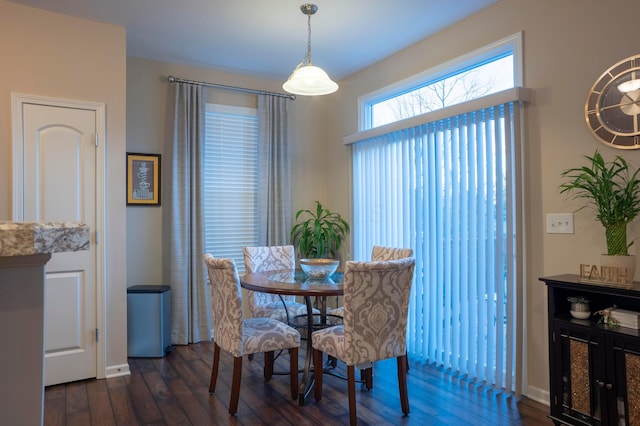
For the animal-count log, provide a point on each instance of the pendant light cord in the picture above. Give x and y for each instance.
(309, 39)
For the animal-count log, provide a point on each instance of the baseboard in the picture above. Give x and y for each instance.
(117, 371)
(538, 395)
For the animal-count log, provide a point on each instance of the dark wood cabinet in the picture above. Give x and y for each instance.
(594, 368)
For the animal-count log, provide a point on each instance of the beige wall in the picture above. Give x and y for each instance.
(53, 55)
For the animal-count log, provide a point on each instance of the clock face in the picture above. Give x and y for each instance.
(612, 110)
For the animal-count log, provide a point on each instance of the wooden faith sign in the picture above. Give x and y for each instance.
(605, 274)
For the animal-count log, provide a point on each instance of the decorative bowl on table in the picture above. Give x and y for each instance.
(319, 269)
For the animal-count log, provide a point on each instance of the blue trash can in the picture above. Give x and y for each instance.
(148, 321)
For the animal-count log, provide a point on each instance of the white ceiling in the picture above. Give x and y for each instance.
(269, 37)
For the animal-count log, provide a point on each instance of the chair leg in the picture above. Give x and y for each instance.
(317, 374)
(268, 365)
(235, 384)
(402, 383)
(293, 371)
(332, 362)
(351, 385)
(214, 368)
(367, 375)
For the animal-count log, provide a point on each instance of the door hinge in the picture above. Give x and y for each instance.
(96, 237)
(97, 335)
(553, 336)
(97, 138)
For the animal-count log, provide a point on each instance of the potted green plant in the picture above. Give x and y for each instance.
(320, 234)
(612, 191)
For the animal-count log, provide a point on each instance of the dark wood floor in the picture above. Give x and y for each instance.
(174, 391)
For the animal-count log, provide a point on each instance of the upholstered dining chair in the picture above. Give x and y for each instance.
(378, 253)
(239, 336)
(376, 304)
(264, 305)
(390, 253)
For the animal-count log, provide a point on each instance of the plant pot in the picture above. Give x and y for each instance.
(625, 265)
(616, 239)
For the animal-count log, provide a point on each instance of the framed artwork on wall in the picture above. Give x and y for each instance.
(143, 179)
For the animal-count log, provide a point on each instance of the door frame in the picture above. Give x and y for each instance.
(17, 102)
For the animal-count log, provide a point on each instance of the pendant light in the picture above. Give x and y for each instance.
(307, 79)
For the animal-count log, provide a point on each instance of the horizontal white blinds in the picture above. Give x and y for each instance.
(451, 190)
(230, 181)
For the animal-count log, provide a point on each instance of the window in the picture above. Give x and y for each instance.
(230, 181)
(489, 70)
(449, 186)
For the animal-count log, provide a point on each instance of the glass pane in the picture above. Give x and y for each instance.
(481, 80)
(632, 362)
(580, 383)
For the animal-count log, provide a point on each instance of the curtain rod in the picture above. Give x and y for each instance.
(172, 79)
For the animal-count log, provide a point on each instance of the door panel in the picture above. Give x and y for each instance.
(64, 289)
(624, 371)
(59, 185)
(580, 351)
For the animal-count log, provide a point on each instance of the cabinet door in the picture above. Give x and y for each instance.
(624, 374)
(579, 351)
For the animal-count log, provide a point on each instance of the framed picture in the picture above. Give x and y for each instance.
(143, 179)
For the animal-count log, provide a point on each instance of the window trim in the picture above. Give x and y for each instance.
(231, 109)
(512, 43)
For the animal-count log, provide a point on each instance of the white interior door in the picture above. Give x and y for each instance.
(59, 184)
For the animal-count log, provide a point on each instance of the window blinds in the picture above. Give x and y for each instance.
(451, 189)
(230, 181)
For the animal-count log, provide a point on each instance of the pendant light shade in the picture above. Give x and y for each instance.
(308, 79)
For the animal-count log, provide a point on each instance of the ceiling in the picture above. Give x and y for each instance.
(269, 37)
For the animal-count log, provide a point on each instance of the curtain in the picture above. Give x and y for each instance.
(274, 172)
(183, 258)
(451, 190)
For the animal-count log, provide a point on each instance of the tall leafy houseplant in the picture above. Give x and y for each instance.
(612, 192)
(320, 234)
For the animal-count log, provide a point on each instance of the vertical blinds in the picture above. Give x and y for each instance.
(451, 190)
(230, 181)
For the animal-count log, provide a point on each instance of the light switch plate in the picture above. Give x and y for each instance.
(559, 223)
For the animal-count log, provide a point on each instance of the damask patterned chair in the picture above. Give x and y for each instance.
(390, 253)
(264, 305)
(239, 336)
(379, 253)
(376, 304)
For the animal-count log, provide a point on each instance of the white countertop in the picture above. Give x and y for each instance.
(29, 238)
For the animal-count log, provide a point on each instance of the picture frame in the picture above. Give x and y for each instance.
(143, 179)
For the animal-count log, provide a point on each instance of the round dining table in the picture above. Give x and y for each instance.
(296, 283)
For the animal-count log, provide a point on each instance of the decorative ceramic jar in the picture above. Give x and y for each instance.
(580, 307)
